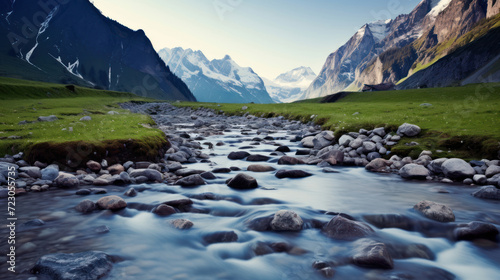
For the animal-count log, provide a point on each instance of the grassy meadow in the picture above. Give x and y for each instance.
(25, 101)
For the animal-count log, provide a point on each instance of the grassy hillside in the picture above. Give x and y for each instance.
(462, 121)
(52, 141)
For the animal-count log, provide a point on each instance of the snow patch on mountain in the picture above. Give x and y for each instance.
(438, 6)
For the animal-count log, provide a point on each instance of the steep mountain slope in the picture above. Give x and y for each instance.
(72, 42)
(408, 44)
(219, 80)
(289, 86)
(474, 58)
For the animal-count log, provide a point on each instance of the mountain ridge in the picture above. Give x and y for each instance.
(216, 80)
(75, 43)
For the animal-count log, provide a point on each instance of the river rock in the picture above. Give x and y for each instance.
(191, 181)
(32, 171)
(86, 206)
(457, 169)
(379, 165)
(50, 173)
(380, 131)
(182, 224)
(345, 140)
(164, 210)
(260, 168)
(435, 165)
(292, 174)
(86, 118)
(369, 147)
(435, 211)
(480, 179)
(257, 158)
(409, 130)
(476, 230)
(414, 171)
(208, 176)
(371, 254)
(492, 171)
(286, 220)
(94, 165)
(487, 192)
(308, 142)
(151, 174)
(130, 192)
(66, 180)
(221, 237)
(50, 118)
(287, 160)
(408, 251)
(116, 169)
(82, 266)
(111, 202)
(238, 155)
(323, 139)
(222, 170)
(283, 149)
(243, 182)
(345, 229)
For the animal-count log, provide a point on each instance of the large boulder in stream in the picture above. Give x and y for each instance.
(414, 171)
(292, 174)
(111, 202)
(243, 181)
(435, 211)
(82, 266)
(476, 230)
(371, 254)
(345, 229)
(286, 220)
(487, 192)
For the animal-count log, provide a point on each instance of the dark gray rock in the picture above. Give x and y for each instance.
(292, 174)
(164, 210)
(256, 158)
(50, 173)
(66, 180)
(379, 165)
(221, 237)
(50, 118)
(345, 229)
(32, 171)
(82, 266)
(86, 206)
(238, 155)
(371, 254)
(182, 224)
(488, 192)
(476, 230)
(221, 170)
(191, 181)
(130, 192)
(242, 182)
(208, 176)
(492, 170)
(287, 160)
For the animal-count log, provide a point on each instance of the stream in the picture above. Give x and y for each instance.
(150, 248)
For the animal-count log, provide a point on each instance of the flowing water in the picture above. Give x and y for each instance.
(152, 249)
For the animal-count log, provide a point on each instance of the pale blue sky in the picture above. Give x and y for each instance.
(271, 36)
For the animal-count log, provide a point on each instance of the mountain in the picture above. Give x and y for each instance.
(72, 42)
(218, 80)
(289, 86)
(393, 50)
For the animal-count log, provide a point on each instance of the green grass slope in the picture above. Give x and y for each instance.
(116, 137)
(462, 121)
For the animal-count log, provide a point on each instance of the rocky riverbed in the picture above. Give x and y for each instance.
(252, 198)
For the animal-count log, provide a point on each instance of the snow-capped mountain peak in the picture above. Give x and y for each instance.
(217, 80)
(289, 86)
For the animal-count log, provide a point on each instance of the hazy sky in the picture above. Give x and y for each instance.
(271, 36)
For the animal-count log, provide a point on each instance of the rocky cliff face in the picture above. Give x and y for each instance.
(70, 41)
(493, 8)
(410, 42)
